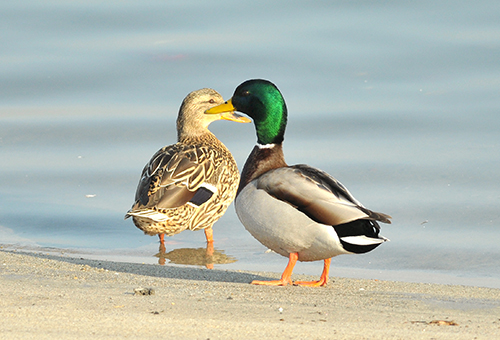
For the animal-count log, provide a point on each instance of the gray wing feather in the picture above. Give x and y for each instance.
(317, 194)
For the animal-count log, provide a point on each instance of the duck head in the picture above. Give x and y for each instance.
(262, 101)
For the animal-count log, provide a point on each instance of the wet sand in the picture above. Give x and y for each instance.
(57, 297)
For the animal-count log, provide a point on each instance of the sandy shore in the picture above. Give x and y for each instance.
(52, 297)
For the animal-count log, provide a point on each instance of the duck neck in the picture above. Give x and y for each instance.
(262, 159)
(202, 137)
(271, 129)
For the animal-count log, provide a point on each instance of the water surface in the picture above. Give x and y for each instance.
(398, 100)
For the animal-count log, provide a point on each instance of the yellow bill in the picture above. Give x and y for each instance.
(235, 117)
(226, 112)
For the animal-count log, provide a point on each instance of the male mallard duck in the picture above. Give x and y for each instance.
(190, 184)
(297, 211)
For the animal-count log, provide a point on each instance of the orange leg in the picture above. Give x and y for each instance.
(286, 277)
(209, 234)
(323, 280)
(161, 259)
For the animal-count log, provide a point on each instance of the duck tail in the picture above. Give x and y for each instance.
(359, 236)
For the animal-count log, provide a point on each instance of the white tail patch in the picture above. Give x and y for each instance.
(151, 214)
(363, 240)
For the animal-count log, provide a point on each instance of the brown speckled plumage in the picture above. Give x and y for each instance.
(165, 201)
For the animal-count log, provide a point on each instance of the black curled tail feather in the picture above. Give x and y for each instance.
(366, 229)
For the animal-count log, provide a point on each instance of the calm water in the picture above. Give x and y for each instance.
(398, 100)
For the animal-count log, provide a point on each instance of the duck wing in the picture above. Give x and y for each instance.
(316, 194)
(174, 176)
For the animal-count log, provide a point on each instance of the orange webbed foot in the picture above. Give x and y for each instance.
(318, 283)
(323, 280)
(286, 277)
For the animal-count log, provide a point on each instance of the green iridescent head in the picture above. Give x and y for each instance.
(262, 101)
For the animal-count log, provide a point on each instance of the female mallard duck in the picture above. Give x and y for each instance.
(297, 211)
(190, 184)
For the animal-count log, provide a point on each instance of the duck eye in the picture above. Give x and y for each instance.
(246, 93)
(211, 101)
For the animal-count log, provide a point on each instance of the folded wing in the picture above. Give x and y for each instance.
(176, 175)
(316, 194)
